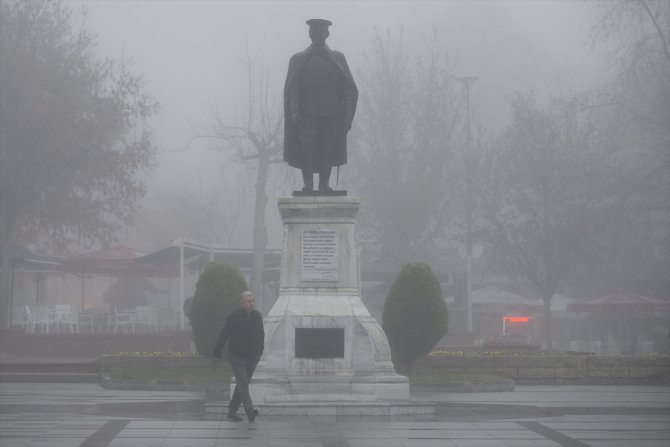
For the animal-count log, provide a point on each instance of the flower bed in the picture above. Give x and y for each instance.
(454, 370)
(552, 368)
(172, 371)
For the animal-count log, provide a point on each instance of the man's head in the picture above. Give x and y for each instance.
(318, 31)
(248, 301)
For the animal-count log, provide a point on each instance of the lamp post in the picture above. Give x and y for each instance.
(467, 81)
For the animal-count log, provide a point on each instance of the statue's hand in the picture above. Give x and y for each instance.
(295, 117)
(347, 125)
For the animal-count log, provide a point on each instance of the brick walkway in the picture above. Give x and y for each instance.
(70, 415)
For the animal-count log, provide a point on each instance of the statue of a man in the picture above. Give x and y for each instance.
(320, 98)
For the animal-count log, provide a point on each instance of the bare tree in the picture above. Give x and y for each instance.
(73, 143)
(259, 140)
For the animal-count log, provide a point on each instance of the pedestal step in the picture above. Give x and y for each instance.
(320, 398)
(331, 409)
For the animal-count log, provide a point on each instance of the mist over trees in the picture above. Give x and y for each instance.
(633, 105)
(544, 187)
(213, 210)
(571, 186)
(574, 190)
(72, 137)
(405, 140)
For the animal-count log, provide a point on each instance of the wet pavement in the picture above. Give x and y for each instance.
(87, 415)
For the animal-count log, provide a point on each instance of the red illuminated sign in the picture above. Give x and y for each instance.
(520, 319)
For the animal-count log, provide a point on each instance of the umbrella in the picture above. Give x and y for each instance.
(625, 313)
(619, 302)
(500, 296)
(112, 261)
(107, 261)
(116, 261)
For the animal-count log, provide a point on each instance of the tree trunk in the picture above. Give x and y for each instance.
(548, 333)
(260, 237)
(5, 287)
(6, 270)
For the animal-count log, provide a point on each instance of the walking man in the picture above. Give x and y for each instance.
(320, 98)
(245, 335)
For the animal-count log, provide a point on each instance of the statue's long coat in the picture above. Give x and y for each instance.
(347, 89)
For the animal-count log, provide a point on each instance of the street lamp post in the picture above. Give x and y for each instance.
(467, 81)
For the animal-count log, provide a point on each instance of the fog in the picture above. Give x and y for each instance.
(193, 58)
(561, 187)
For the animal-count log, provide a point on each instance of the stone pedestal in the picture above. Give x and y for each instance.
(322, 345)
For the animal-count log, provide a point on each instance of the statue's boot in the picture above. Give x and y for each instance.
(324, 179)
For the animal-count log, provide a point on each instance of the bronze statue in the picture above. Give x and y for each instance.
(320, 98)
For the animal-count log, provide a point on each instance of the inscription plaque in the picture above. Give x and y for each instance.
(319, 343)
(319, 255)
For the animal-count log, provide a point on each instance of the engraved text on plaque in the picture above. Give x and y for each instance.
(319, 255)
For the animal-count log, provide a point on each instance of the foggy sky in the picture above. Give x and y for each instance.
(192, 54)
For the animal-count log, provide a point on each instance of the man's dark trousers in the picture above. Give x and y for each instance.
(243, 368)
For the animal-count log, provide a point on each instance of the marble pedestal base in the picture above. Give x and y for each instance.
(322, 344)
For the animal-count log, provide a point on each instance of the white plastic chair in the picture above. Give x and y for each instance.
(38, 320)
(146, 319)
(66, 318)
(29, 320)
(122, 320)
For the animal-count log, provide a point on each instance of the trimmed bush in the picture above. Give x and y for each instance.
(217, 294)
(415, 314)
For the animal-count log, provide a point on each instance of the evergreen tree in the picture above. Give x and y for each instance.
(75, 145)
(415, 314)
(217, 294)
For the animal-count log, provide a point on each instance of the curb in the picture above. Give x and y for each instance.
(49, 377)
(476, 387)
(216, 386)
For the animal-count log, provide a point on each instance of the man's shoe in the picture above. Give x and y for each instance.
(252, 416)
(234, 417)
(325, 188)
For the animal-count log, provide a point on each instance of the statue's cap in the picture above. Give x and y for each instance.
(319, 23)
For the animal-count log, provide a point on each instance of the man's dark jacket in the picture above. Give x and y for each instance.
(244, 333)
(348, 94)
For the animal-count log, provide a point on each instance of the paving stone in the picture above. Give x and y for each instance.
(54, 415)
(480, 443)
(375, 443)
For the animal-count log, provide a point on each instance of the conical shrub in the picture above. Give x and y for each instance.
(217, 294)
(415, 314)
